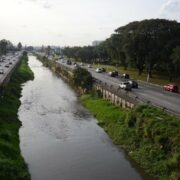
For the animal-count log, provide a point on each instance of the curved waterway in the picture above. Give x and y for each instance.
(60, 140)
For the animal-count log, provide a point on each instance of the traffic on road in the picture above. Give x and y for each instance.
(7, 63)
(147, 93)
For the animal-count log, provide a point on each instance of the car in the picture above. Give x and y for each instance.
(99, 70)
(76, 65)
(171, 87)
(89, 66)
(133, 83)
(113, 73)
(7, 65)
(125, 76)
(81, 64)
(69, 62)
(10, 62)
(1, 71)
(125, 85)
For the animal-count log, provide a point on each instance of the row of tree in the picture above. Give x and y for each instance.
(6, 46)
(145, 45)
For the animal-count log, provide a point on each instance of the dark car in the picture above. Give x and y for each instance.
(170, 87)
(126, 76)
(69, 62)
(133, 83)
(113, 73)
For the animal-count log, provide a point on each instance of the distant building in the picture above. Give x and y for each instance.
(96, 43)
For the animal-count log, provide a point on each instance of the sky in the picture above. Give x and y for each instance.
(75, 22)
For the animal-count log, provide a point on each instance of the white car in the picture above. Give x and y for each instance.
(1, 71)
(125, 85)
(89, 66)
(99, 70)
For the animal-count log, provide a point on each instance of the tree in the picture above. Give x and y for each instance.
(19, 46)
(5, 46)
(82, 78)
(175, 57)
(145, 40)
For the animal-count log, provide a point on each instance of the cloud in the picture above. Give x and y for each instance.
(46, 5)
(171, 10)
(43, 3)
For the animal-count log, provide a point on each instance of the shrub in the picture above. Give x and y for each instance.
(82, 78)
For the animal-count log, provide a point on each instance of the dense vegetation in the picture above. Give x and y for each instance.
(146, 45)
(83, 79)
(7, 46)
(150, 136)
(12, 165)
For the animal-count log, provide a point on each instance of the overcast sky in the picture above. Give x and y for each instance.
(75, 22)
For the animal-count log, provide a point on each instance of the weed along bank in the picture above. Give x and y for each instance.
(149, 135)
(12, 164)
(60, 139)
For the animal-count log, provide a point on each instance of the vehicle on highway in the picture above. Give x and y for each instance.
(113, 73)
(76, 65)
(10, 62)
(171, 87)
(125, 85)
(81, 64)
(7, 65)
(125, 76)
(89, 66)
(69, 62)
(1, 71)
(99, 70)
(133, 83)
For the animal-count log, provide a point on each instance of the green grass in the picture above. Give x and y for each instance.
(157, 78)
(12, 165)
(151, 136)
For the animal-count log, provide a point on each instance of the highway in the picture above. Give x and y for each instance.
(7, 64)
(155, 95)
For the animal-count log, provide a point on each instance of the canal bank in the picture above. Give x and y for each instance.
(12, 165)
(60, 139)
(149, 135)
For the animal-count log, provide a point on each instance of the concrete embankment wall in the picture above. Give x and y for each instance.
(118, 96)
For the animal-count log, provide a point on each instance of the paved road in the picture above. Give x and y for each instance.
(157, 96)
(10, 61)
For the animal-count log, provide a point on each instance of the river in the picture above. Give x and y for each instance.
(60, 140)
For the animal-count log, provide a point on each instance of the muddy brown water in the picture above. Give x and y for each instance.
(60, 140)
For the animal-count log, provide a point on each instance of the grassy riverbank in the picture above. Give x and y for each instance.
(150, 136)
(12, 165)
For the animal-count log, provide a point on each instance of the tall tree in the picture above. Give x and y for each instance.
(19, 46)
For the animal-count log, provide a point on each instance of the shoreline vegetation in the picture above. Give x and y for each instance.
(150, 136)
(12, 164)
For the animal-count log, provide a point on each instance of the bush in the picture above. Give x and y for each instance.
(82, 78)
(150, 135)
